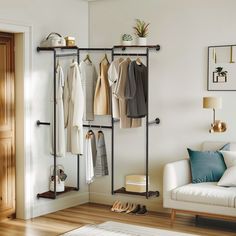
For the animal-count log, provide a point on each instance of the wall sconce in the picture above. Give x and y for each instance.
(214, 103)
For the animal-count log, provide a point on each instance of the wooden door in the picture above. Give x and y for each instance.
(7, 129)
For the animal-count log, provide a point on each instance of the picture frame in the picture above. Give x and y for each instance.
(221, 71)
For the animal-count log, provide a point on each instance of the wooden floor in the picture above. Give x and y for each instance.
(72, 218)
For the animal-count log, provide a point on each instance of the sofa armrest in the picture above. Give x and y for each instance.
(176, 174)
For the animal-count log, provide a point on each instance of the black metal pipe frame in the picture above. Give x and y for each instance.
(78, 156)
(156, 121)
(147, 126)
(112, 141)
(54, 124)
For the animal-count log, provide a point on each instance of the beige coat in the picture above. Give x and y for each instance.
(102, 104)
(73, 110)
(119, 92)
(113, 77)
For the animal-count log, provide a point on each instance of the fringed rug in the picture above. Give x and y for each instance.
(111, 228)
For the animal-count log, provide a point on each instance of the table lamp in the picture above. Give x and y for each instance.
(214, 103)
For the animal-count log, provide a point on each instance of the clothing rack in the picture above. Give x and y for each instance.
(54, 194)
(156, 121)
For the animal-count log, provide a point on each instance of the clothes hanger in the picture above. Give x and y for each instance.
(87, 58)
(138, 61)
(105, 58)
(100, 129)
(58, 63)
(73, 60)
(90, 128)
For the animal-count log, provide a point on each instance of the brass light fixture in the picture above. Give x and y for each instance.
(214, 103)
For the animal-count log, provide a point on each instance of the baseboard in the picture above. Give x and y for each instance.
(46, 206)
(153, 204)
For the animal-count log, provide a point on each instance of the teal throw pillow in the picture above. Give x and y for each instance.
(207, 166)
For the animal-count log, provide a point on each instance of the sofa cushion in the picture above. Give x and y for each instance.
(229, 178)
(205, 193)
(229, 158)
(207, 166)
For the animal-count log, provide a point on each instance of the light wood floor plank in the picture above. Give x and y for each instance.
(65, 220)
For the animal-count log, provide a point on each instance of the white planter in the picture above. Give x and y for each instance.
(126, 43)
(141, 41)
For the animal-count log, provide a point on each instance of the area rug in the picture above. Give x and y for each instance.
(111, 228)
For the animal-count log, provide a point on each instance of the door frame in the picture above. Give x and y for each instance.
(23, 47)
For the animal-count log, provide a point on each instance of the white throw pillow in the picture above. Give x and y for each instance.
(229, 178)
(229, 158)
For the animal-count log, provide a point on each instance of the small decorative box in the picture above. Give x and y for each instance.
(135, 183)
(70, 41)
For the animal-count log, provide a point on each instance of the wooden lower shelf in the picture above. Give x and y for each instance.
(150, 193)
(50, 194)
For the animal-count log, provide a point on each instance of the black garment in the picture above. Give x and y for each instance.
(136, 90)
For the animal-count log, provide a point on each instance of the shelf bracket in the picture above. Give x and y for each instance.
(38, 123)
(156, 121)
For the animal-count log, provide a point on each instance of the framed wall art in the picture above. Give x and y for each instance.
(221, 68)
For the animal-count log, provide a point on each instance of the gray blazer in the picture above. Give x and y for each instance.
(136, 90)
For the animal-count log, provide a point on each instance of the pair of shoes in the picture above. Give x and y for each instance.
(118, 206)
(141, 211)
(124, 207)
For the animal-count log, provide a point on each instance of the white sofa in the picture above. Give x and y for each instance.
(208, 199)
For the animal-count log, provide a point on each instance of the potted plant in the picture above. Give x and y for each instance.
(220, 75)
(141, 30)
(127, 39)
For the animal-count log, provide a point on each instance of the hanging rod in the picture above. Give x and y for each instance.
(95, 49)
(157, 121)
(67, 55)
(98, 126)
(130, 54)
(38, 122)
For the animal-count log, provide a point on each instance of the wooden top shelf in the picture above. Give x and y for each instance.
(123, 47)
(157, 47)
(53, 48)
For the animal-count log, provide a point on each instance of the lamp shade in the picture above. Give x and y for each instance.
(212, 102)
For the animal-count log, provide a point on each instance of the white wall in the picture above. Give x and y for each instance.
(178, 75)
(68, 18)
